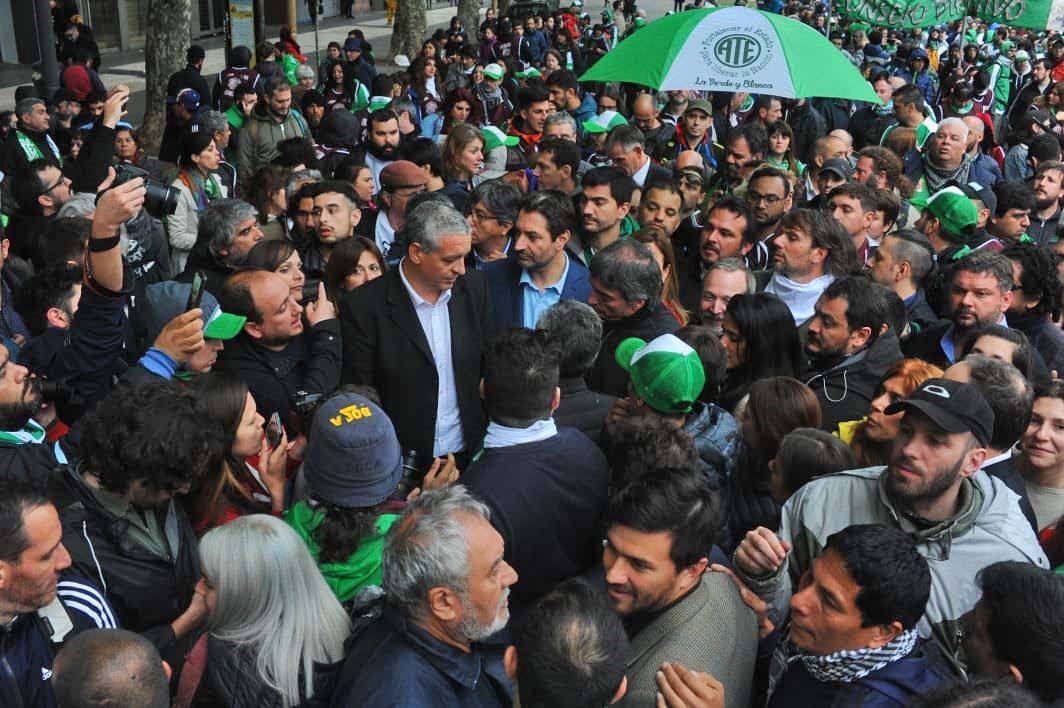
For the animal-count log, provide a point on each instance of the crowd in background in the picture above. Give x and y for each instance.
(467, 383)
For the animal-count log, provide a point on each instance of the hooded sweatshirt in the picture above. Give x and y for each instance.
(361, 569)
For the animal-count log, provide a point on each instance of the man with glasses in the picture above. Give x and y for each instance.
(932, 488)
(399, 180)
(40, 188)
(491, 211)
(769, 195)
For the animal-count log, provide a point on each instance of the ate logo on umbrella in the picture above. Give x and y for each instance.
(737, 52)
(734, 49)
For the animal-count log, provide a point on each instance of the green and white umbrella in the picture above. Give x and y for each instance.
(733, 49)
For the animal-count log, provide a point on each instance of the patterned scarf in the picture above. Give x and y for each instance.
(847, 666)
(204, 189)
(937, 178)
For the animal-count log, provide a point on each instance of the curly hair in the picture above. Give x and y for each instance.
(154, 432)
(1039, 278)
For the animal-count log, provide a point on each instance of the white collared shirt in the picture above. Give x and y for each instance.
(383, 233)
(640, 176)
(436, 324)
(376, 167)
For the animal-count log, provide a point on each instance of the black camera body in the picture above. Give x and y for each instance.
(160, 199)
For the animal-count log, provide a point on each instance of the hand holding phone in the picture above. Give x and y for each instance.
(274, 431)
(195, 294)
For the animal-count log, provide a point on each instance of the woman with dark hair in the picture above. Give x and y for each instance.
(803, 455)
(266, 192)
(761, 340)
(336, 89)
(775, 407)
(360, 176)
(289, 45)
(871, 437)
(781, 149)
(280, 257)
(252, 477)
(461, 106)
(1041, 459)
(463, 159)
(196, 187)
(354, 262)
(426, 94)
(569, 51)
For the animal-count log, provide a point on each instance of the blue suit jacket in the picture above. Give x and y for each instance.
(504, 289)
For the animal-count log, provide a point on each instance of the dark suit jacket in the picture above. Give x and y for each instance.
(657, 174)
(385, 347)
(504, 286)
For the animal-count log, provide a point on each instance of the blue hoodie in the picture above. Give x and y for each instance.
(587, 110)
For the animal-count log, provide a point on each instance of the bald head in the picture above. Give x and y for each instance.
(976, 130)
(826, 148)
(110, 667)
(644, 108)
(688, 158)
(896, 82)
(844, 136)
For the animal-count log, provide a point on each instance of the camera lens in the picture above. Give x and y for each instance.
(160, 199)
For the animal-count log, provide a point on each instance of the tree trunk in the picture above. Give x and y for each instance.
(165, 45)
(469, 14)
(409, 29)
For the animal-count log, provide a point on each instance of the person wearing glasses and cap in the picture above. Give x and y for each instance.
(933, 488)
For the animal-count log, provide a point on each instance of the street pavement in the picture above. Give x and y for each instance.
(128, 67)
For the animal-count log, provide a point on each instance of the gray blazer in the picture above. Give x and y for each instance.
(710, 630)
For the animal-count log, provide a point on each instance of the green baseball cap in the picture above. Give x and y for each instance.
(954, 210)
(604, 122)
(529, 73)
(223, 325)
(666, 373)
(493, 138)
(493, 71)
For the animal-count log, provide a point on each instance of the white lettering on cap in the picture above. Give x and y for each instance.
(936, 390)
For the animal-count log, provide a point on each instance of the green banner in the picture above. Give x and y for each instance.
(907, 14)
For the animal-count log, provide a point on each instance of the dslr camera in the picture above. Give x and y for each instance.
(161, 198)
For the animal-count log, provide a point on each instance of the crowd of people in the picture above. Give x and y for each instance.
(472, 384)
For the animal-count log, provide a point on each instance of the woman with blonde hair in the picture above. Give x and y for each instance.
(871, 437)
(661, 246)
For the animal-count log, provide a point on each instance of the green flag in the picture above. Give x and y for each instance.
(906, 14)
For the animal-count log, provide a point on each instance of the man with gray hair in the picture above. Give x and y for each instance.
(626, 295)
(417, 336)
(944, 160)
(228, 230)
(448, 590)
(30, 140)
(724, 280)
(626, 147)
(576, 327)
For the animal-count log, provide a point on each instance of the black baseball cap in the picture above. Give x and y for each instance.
(951, 405)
